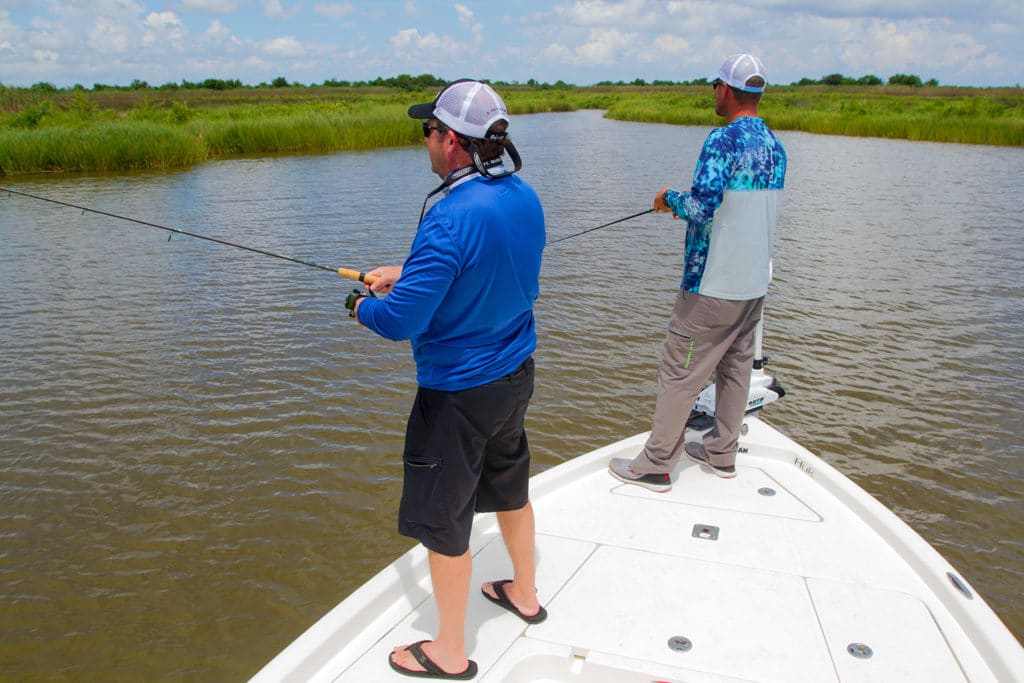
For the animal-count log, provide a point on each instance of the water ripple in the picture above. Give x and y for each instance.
(198, 443)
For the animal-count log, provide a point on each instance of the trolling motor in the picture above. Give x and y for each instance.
(764, 389)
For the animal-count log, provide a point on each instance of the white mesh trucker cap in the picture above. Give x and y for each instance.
(468, 107)
(738, 69)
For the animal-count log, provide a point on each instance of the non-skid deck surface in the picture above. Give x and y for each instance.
(770, 576)
(762, 575)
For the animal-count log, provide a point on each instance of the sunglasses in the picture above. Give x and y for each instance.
(427, 128)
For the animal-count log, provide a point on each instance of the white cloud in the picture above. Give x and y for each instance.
(335, 10)
(10, 34)
(409, 42)
(50, 34)
(579, 41)
(286, 46)
(604, 47)
(668, 44)
(109, 36)
(360, 52)
(602, 12)
(631, 14)
(257, 63)
(856, 47)
(274, 9)
(911, 46)
(163, 21)
(898, 10)
(164, 30)
(465, 15)
(217, 32)
(213, 6)
(557, 53)
(45, 55)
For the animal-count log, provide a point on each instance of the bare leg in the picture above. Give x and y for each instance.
(517, 530)
(450, 577)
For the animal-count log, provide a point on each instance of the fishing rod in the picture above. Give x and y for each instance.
(349, 273)
(584, 232)
(343, 272)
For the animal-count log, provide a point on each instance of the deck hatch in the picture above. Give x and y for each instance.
(705, 531)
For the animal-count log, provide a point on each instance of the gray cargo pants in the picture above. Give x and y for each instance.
(705, 335)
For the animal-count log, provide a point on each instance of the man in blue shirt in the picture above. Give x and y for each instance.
(730, 214)
(464, 298)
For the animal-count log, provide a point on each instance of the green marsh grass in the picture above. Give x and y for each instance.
(81, 131)
(178, 136)
(305, 131)
(108, 146)
(950, 115)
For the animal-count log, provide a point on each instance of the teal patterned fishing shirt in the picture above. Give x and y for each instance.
(731, 211)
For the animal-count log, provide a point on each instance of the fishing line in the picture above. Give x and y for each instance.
(584, 232)
(343, 272)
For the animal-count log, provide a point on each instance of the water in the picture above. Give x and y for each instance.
(200, 450)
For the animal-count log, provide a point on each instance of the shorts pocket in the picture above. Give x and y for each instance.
(423, 501)
(419, 461)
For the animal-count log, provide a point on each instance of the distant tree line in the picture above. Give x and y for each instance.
(870, 79)
(405, 82)
(831, 79)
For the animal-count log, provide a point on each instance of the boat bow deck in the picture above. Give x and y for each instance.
(789, 572)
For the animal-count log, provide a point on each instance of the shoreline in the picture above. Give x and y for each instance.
(121, 131)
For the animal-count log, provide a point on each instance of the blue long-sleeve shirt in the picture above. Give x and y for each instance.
(465, 297)
(731, 211)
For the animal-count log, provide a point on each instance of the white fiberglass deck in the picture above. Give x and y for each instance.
(776, 575)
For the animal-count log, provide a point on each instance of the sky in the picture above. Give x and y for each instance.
(115, 42)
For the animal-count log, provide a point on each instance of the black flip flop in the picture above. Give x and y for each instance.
(503, 601)
(432, 669)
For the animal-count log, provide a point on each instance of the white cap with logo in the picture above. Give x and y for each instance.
(737, 70)
(468, 107)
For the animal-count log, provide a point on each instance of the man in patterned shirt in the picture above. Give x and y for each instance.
(730, 214)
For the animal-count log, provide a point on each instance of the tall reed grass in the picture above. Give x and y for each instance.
(307, 131)
(972, 119)
(86, 131)
(109, 146)
(168, 139)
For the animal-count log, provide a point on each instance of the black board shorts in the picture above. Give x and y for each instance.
(465, 452)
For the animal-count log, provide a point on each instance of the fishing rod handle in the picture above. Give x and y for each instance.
(357, 275)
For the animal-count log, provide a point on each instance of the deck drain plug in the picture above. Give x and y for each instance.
(679, 644)
(860, 650)
(766, 491)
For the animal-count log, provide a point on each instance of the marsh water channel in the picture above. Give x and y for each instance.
(200, 451)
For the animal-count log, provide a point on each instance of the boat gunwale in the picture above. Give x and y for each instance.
(971, 627)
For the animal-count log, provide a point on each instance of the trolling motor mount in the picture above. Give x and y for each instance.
(764, 389)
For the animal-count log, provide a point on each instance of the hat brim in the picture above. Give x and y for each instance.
(422, 111)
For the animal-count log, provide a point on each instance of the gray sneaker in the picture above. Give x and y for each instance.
(621, 470)
(695, 451)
